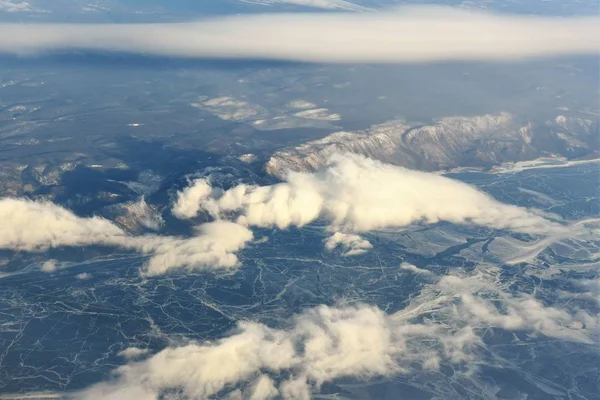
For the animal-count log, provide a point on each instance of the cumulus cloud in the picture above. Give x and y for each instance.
(38, 226)
(49, 266)
(412, 34)
(325, 343)
(132, 352)
(359, 194)
(213, 247)
(83, 276)
(415, 269)
(188, 200)
(322, 344)
(353, 244)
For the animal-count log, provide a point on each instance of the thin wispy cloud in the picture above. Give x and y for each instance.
(412, 34)
(325, 4)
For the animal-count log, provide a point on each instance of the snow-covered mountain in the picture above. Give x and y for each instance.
(447, 143)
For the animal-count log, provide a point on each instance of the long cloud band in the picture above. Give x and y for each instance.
(411, 34)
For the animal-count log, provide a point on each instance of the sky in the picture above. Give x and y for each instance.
(355, 194)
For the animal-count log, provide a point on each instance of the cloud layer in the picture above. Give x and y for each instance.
(481, 305)
(326, 4)
(322, 344)
(355, 194)
(412, 34)
(213, 247)
(33, 226)
(358, 194)
(352, 244)
(444, 324)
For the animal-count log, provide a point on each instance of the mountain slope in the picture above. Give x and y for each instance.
(480, 141)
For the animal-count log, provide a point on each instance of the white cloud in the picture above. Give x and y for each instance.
(230, 109)
(38, 226)
(188, 200)
(83, 276)
(12, 6)
(33, 226)
(326, 343)
(320, 114)
(214, 247)
(326, 4)
(482, 304)
(353, 244)
(248, 158)
(413, 34)
(322, 344)
(49, 266)
(135, 216)
(359, 194)
(263, 389)
(414, 268)
(301, 104)
(133, 352)
(139, 214)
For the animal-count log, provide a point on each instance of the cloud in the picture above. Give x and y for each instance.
(188, 200)
(83, 276)
(213, 247)
(12, 6)
(301, 104)
(133, 352)
(38, 226)
(353, 244)
(362, 342)
(325, 4)
(352, 192)
(411, 34)
(518, 252)
(358, 194)
(322, 344)
(49, 266)
(482, 304)
(415, 269)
